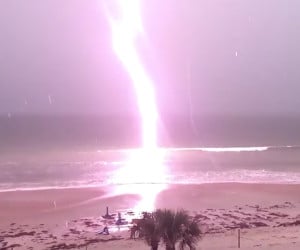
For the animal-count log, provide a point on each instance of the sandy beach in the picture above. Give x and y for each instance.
(268, 216)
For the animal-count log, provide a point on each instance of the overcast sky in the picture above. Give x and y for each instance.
(224, 57)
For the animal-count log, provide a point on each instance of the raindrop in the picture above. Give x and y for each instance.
(49, 99)
(249, 19)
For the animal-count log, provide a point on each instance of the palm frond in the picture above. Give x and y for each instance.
(171, 227)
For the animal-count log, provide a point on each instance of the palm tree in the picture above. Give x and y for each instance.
(150, 230)
(191, 234)
(171, 227)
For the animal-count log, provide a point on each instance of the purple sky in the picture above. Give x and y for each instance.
(243, 57)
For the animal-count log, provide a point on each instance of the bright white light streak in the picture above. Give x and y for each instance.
(125, 34)
(144, 166)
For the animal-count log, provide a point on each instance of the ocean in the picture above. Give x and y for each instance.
(43, 153)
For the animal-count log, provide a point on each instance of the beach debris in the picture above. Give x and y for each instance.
(85, 231)
(78, 246)
(279, 215)
(201, 217)
(288, 224)
(241, 225)
(286, 204)
(91, 224)
(259, 224)
(74, 231)
(18, 234)
(10, 246)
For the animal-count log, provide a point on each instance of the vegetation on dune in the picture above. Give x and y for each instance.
(171, 228)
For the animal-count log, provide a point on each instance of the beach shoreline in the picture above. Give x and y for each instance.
(221, 207)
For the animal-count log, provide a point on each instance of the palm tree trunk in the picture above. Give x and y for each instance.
(154, 245)
(170, 247)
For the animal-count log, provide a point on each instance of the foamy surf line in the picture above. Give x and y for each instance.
(107, 187)
(42, 188)
(208, 149)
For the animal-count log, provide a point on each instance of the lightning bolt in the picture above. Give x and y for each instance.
(127, 30)
(146, 166)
